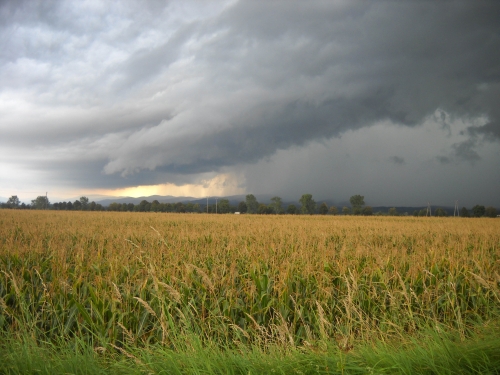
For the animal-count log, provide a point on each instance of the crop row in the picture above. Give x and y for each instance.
(122, 279)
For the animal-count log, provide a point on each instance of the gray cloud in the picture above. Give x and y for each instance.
(490, 131)
(397, 73)
(465, 151)
(141, 92)
(397, 160)
(443, 159)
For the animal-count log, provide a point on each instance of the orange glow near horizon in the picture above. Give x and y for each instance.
(218, 186)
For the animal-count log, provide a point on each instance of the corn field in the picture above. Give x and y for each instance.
(135, 279)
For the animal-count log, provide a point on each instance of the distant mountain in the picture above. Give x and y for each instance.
(160, 198)
(233, 199)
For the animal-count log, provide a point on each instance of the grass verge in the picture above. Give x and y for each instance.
(429, 353)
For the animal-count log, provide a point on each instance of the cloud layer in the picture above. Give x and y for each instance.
(110, 95)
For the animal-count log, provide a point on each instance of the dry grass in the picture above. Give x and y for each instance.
(134, 278)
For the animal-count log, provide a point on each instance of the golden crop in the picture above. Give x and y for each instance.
(136, 278)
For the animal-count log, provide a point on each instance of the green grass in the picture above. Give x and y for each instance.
(429, 353)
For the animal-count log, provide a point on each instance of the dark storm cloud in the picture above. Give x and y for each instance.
(252, 137)
(83, 175)
(329, 69)
(465, 151)
(491, 131)
(147, 92)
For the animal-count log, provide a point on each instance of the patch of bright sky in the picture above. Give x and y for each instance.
(224, 184)
(221, 185)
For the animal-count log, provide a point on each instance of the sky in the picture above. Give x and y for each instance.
(395, 101)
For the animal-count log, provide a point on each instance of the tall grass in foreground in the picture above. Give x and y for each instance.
(119, 281)
(426, 353)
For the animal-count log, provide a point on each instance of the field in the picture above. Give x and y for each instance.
(128, 286)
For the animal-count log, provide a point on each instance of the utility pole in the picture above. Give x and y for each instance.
(207, 205)
(456, 210)
(46, 200)
(216, 205)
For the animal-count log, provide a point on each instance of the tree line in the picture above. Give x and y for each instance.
(250, 205)
(42, 203)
